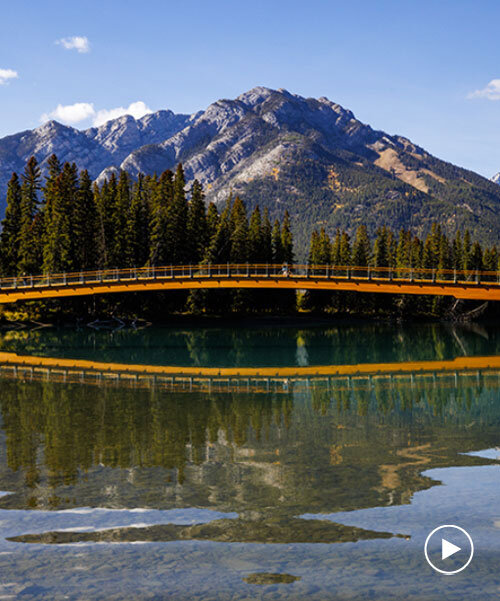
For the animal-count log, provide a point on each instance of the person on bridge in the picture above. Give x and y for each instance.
(285, 272)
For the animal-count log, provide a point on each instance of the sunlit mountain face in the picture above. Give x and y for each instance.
(310, 156)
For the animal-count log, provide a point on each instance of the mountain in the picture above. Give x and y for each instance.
(496, 178)
(310, 156)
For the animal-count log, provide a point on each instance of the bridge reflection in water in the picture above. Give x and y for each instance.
(270, 444)
(238, 379)
(478, 285)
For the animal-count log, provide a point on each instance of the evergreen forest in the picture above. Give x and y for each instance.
(65, 222)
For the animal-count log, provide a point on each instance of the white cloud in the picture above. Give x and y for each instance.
(6, 74)
(136, 109)
(491, 91)
(80, 111)
(70, 113)
(80, 43)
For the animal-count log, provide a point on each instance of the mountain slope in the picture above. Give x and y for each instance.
(310, 156)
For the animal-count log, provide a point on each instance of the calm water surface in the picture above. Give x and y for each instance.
(311, 488)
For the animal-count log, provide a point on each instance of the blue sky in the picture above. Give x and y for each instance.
(407, 67)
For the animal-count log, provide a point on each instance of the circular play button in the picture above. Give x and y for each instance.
(449, 549)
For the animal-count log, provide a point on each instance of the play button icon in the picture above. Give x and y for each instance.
(449, 555)
(448, 549)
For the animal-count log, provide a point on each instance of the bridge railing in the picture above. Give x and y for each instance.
(251, 270)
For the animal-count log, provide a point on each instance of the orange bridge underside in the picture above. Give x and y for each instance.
(397, 286)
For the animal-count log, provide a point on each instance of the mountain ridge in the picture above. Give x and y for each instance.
(309, 156)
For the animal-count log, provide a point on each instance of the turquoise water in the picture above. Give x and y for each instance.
(313, 489)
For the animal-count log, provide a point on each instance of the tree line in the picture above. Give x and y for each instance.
(437, 251)
(67, 222)
(405, 250)
(70, 223)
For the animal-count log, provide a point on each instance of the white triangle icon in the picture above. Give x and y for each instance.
(448, 549)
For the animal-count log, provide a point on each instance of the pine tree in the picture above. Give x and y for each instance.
(138, 226)
(177, 220)
(466, 251)
(444, 254)
(287, 239)
(381, 252)
(59, 235)
(162, 199)
(106, 202)
(121, 231)
(197, 229)
(314, 248)
(29, 236)
(277, 244)
(457, 251)
(416, 253)
(335, 251)
(212, 221)
(9, 238)
(256, 252)
(476, 257)
(219, 250)
(324, 247)
(266, 237)
(345, 249)
(239, 232)
(361, 251)
(84, 225)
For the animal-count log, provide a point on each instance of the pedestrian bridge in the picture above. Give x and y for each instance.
(478, 285)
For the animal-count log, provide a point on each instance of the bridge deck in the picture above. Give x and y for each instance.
(458, 284)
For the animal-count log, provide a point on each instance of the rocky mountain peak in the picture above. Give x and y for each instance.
(312, 156)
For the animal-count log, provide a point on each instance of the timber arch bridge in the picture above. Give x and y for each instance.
(477, 285)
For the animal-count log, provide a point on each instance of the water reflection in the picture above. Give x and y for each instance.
(273, 466)
(322, 447)
(263, 344)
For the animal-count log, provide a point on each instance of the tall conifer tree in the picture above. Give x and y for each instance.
(29, 236)
(197, 229)
(11, 227)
